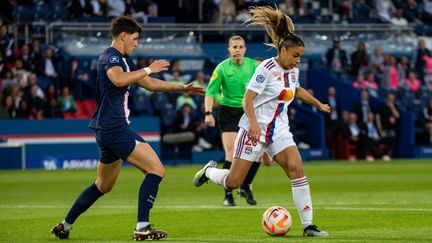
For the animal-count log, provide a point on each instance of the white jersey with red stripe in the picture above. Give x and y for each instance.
(276, 88)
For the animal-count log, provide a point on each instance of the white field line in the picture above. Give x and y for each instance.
(213, 240)
(195, 207)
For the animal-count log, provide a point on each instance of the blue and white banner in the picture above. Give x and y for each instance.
(60, 144)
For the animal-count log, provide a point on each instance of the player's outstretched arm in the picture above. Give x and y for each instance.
(121, 79)
(157, 85)
(305, 96)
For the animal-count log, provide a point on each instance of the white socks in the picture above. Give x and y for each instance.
(66, 225)
(302, 200)
(141, 225)
(218, 176)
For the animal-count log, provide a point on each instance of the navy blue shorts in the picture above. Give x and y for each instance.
(116, 143)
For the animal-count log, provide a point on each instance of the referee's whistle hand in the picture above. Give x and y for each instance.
(209, 121)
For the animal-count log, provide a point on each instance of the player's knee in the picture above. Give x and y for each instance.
(232, 184)
(295, 172)
(104, 188)
(159, 170)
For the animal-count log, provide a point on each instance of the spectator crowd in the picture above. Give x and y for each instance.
(37, 81)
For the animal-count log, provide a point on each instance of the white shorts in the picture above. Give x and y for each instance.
(245, 149)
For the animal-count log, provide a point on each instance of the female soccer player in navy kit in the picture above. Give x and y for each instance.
(264, 126)
(116, 141)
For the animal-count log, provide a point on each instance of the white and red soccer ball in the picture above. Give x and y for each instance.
(276, 221)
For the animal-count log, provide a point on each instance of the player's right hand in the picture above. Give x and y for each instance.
(254, 131)
(324, 108)
(209, 121)
(159, 65)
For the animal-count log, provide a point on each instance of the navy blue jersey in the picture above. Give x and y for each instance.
(112, 107)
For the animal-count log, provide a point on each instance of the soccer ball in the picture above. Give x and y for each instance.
(276, 221)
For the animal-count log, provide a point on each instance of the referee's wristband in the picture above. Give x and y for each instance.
(208, 113)
(148, 70)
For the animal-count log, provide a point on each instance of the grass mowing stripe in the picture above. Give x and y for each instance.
(192, 207)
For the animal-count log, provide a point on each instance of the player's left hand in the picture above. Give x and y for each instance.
(191, 89)
(324, 108)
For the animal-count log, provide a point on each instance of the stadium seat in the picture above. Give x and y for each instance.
(23, 14)
(41, 13)
(85, 110)
(162, 19)
(169, 116)
(360, 20)
(68, 115)
(95, 19)
(199, 100)
(158, 100)
(303, 20)
(59, 12)
(141, 105)
(90, 107)
(82, 112)
(343, 149)
(43, 82)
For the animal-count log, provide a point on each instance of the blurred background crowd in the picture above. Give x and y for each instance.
(41, 79)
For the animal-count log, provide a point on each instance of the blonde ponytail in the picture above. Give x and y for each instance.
(279, 26)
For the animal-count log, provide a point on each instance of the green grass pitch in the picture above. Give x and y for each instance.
(354, 202)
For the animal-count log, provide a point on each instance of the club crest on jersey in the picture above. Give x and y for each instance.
(260, 78)
(248, 150)
(114, 59)
(293, 77)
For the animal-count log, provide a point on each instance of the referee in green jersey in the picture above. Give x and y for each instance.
(230, 79)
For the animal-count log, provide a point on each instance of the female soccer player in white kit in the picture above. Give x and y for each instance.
(264, 126)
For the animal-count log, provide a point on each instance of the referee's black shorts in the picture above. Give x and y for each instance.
(229, 118)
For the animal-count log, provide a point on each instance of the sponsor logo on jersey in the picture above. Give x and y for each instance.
(286, 95)
(260, 78)
(293, 76)
(114, 59)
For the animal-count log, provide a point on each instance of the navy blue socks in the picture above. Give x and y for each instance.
(147, 195)
(83, 202)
